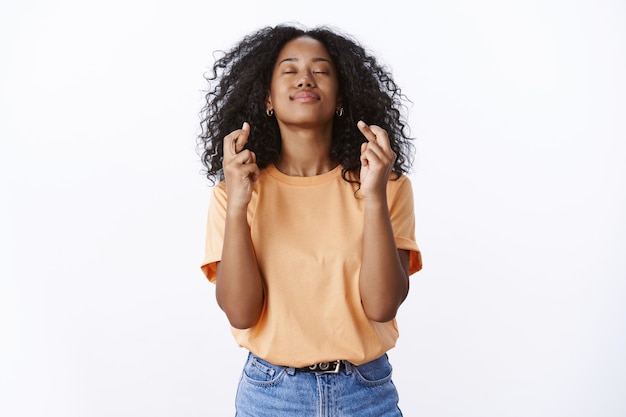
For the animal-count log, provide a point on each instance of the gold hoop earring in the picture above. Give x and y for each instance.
(269, 112)
(339, 112)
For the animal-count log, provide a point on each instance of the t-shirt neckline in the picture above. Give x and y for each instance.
(312, 180)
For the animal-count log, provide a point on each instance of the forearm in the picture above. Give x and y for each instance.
(383, 280)
(239, 286)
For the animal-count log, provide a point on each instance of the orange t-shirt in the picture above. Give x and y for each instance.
(307, 235)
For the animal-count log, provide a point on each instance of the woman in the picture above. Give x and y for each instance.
(310, 233)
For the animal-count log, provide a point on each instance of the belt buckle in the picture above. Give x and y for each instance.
(326, 367)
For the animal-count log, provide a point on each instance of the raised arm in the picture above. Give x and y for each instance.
(384, 278)
(239, 286)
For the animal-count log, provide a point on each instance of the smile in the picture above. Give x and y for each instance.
(305, 96)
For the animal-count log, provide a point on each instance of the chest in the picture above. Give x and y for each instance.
(318, 225)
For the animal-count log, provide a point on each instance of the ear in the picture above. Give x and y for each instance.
(268, 103)
(339, 103)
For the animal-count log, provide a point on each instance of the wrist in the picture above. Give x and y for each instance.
(234, 210)
(375, 197)
(375, 204)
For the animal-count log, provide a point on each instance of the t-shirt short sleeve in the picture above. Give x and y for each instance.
(401, 210)
(215, 231)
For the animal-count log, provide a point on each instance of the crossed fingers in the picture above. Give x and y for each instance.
(377, 149)
(234, 144)
(240, 168)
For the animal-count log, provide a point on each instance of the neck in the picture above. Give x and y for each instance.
(305, 153)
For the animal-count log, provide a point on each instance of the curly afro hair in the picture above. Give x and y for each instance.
(240, 81)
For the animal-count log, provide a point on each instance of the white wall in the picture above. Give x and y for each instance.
(520, 196)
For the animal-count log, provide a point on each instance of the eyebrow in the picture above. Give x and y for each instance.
(319, 59)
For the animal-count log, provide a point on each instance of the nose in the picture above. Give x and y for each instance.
(306, 80)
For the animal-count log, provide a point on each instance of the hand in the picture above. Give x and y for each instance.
(240, 168)
(377, 160)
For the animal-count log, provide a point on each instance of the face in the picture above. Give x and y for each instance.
(305, 88)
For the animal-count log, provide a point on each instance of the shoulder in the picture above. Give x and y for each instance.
(398, 183)
(400, 191)
(219, 189)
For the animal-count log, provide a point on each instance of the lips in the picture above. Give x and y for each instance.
(305, 96)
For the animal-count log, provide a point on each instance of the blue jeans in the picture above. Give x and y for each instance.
(267, 390)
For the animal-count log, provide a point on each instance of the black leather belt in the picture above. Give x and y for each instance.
(324, 367)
